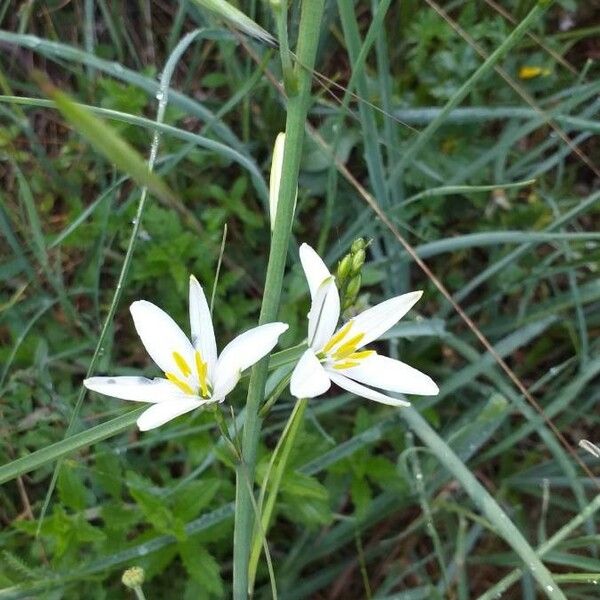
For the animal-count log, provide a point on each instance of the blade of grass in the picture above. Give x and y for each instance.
(485, 501)
(68, 445)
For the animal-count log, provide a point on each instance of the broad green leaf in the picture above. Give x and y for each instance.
(71, 489)
(201, 566)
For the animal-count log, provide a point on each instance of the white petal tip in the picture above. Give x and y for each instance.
(432, 389)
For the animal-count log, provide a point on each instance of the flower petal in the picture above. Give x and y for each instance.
(161, 336)
(309, 378)
(241, 353)
(314, 268)
(323, 314)
(138, 389)
(365, 392)
(377, 320)
(392, 375)
(203, 334)
(159, 414)
(275, 177)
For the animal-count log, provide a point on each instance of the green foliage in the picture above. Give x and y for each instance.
(163, 499)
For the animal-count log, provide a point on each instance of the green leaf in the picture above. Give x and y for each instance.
(71, 489)
(193, 497)
(108, 472)
(154, 507)
(201, 566)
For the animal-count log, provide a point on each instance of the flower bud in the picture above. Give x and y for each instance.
(353, 288)
(358, 260)
(275, 177)
(133, 577)
(344, 269)
(358, 244)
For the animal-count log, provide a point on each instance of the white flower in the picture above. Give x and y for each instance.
(195, 376)
(339, 356)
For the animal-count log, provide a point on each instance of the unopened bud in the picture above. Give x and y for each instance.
(358, 244)
(344, 269)
(358, 260)
(133, 578)
(275, 177)
(353, 288)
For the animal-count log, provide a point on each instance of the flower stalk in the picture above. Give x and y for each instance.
(308, 37)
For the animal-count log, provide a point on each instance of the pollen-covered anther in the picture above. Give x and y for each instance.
(349, 347)
(182, 364)
(182, 385)
(202, 370)
(338, 337)
(347, 364)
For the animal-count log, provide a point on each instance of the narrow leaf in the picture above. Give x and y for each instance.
(106, 141)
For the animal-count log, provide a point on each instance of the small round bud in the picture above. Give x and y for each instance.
(133, 577)
(358, 260)
(358, 244)
(353, 288)
(344, 268)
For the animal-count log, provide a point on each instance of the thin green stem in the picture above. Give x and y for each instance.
(280, 456)
(308, 37)
(139, 593)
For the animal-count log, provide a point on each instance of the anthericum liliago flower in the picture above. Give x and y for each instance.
(340, 356)
(195, 376)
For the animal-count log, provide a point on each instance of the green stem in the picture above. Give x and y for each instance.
(280, 456)
(308, 37)
(486, 503)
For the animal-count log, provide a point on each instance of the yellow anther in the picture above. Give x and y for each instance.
(182, 385)
(347, 348)
(202, 369)
(361, 355)
(348, 364)
(183, 366)
(338, 337)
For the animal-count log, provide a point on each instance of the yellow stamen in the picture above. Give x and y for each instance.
(202, 369)
(348, 364)
(361, 355)
(338, 337)
(183, 366)
(348, 347)
(182, 385)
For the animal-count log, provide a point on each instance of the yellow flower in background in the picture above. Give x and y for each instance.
(531, 72)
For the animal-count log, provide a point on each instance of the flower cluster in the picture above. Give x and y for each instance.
(195, 375)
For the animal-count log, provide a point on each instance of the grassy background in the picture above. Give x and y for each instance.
(365, 510)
